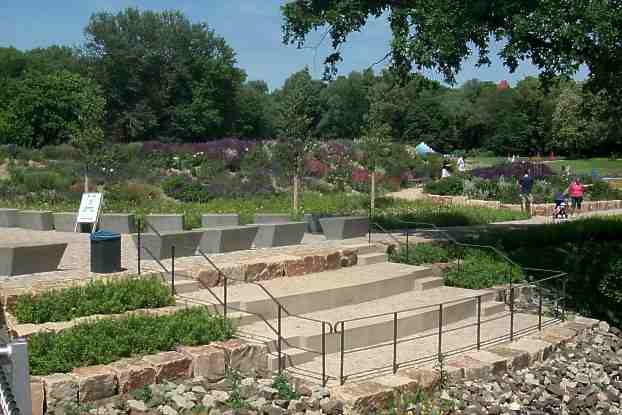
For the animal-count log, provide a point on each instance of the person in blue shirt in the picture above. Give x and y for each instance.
(525, 184)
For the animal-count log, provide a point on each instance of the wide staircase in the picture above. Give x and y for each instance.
(357, 322)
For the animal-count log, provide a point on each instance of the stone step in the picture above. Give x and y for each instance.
(492, 308)
(321, 291)
(429, 283)
(366, 248)
(372, 258)
(419, 350)
(305, 334)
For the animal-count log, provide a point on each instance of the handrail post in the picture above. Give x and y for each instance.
(323, 353)
(539, 307)
(225, 294)
(173, 270)
(341, 352)
(479, 321)
(395, 343)
(563, 299)
(440, 330)
(511, 315)
(279, 344)
(407, 244)
(138, 243)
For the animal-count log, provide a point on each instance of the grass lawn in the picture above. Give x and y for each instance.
(604, 167)
(478, 162)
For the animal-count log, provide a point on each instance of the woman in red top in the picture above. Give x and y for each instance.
(575, 191)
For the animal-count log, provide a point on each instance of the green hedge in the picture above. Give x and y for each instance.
(105, 341)
(96, 297)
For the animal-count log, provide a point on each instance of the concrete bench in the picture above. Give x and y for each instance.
(279, 234)
(313, 221)
(345, 227)
(165, 223)
(185, 243)
(121, 223)
(271, 218)
(212, 220)
(228, 239)
(30, 258)
(8, 218)
(65, 221)
(38, 220)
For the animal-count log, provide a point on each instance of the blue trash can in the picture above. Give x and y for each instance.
(105, 252)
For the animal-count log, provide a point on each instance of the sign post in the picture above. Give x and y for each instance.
(90, 207)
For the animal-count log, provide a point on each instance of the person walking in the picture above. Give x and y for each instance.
(575, 191)
(525, 184)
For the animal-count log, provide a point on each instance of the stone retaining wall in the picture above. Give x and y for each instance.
(539, 209)
(94, 383)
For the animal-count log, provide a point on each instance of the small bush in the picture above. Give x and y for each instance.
(424, 253)
(481, 269)
(449, 186)
(96, 297)
(284, 388)
(105, 341)
(185, 189)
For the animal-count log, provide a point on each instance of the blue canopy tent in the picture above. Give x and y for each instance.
(423, 149)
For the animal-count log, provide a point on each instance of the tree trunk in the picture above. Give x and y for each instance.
(86, 182)
(295, 199)
(372, 192)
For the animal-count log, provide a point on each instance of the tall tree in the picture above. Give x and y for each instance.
(163, 75)
(296, 125)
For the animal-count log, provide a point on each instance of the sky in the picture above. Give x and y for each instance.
(251, 27)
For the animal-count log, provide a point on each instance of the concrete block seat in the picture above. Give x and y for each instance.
(159, 246)
(211, 220)
(121, 223)
(271, 218)
(30, 258)
(8, 218)
(279, 234)
(65, 221)
(313, 222)
(164, 223)
(38, 220)
(228, 239)
(345, 227)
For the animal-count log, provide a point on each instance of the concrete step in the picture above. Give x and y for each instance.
(372, 258)
(492, 308)
(429, 283)
(321, 291)
(366, 248)
(419, 350)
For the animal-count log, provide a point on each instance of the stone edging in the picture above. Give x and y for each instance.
(94, 383)
(539, 209)
(369, 397)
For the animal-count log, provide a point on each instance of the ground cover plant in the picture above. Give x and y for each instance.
(605, 167)
(108, 340)
(472, 268)
(96, 297)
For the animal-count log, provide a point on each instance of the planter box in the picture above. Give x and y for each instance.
(212, 220)
(279, 234)
(38, 220)
(65, 221)
(345, 227)
(185, 243)
(313, 222)
(165, 223)
(121, 223)
(8, 218)
(19, 259)
(228, 239)
(271, 218)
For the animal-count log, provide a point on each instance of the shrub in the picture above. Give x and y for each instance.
(424, 253)
(105, 341)
(480, 269)
(96, 297)
(132, 192)
(185, 189)
(601, 190)
(449, 186)
(515, 170)
(39, 180)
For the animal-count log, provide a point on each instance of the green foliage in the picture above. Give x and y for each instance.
(38, 180)
(53, 108)
(481, 269)
(453, 185)
(143, 394)
(185, 189)
(108, 340)
(96, 297)
(234, 379)
(285, 390)
(424, 253)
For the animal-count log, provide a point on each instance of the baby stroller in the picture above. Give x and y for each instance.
(561, 208)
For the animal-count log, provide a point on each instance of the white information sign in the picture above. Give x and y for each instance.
(89, 208)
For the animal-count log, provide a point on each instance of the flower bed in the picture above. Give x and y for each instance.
(108, 340)
(96, 297)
